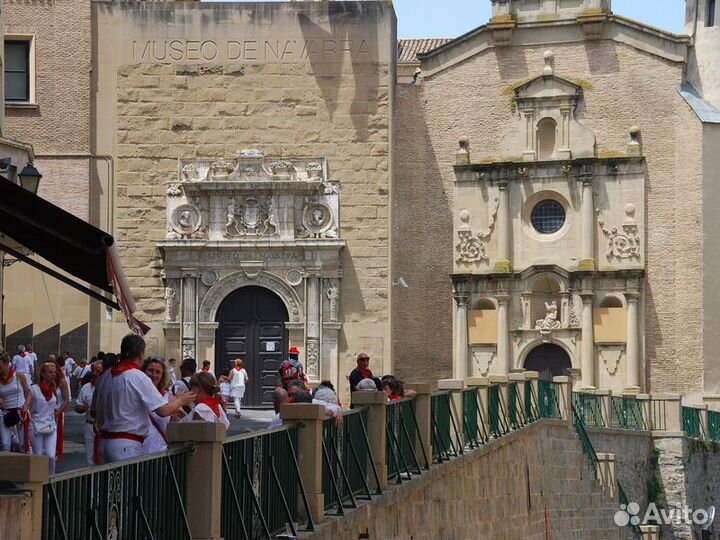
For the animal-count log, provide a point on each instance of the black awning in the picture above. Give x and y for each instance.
(61, 238)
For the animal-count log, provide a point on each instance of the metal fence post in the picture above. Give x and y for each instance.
(310, 451)
(376, 402)
(29, 474)
(565, 397)
(203, 497)
(456, 387)
(422, 414)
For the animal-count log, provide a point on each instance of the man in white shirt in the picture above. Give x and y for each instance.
(280, 396)
(32, 355)
(123, 397)
(69, 365)
(80, 371)
(83, 405)
(171, 371)
(22, 362)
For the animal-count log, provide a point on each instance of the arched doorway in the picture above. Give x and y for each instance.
(549, 361)
(252, 327)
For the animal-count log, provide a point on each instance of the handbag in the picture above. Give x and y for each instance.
(11, 418)
(46, 428)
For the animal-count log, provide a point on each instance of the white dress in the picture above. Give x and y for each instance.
(157, 428)
(237, 383)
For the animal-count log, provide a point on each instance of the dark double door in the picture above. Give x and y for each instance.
(252, 327)
(549, 360)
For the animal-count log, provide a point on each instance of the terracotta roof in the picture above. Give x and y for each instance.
(408, 49)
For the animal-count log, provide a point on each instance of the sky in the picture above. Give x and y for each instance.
(452, 18)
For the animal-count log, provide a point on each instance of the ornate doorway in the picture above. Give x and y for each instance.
(549, 361)
(252, 327)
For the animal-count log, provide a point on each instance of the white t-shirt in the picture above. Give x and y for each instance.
(85, 398)
(122, 403)
(69, 366)
(277, 421)
(181, 386)
(12, 394)
(333, 408)
(33, 357)
(23, 363)
(203, 413)
(42, 410)
(171, 374)
(81, 371)
(225, 388)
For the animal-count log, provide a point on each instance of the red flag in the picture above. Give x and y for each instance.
(122, 293)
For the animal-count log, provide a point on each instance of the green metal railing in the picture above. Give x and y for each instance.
(713, 426)
(589, 409)
(516, 406)
(474, 427)
(532, 413)
(627, 413)
(637, 532)
(443, 427)
(497, 417)
(402, 437)
(588, 448)
(347, 461)
(692, 426)
(140, 499)
(549, 399)
(261, 485)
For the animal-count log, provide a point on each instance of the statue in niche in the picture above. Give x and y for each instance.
(232, 211)
(333, 295)
(550, 322)
(170, 304)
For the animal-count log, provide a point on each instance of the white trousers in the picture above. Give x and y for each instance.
(45, 445)
(238, 400)
(89, 434)
(113, 450)
(6, 435)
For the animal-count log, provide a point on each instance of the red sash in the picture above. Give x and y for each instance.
(122, 435)
(9, 377)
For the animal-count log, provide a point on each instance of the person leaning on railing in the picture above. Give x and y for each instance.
(123, 397)
(395, 389)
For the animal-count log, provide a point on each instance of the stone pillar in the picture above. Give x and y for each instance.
(504, 229)
(588, 346)
(423, 413)
(312, 334)
(456, 387)
(565, 397)
(189, 311)
(376, 428)
(587, 257)
(310, 456)
(669, 406)
(650, 532)
(203, 497)
(460, 362)
(606, 474)
(631, 352)
(503, 334)
(29, 474)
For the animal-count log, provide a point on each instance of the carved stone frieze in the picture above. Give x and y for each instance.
(313, 358)
(482, 360)
(622, 242)
(611, 358)
(333, 295)
(471, 247)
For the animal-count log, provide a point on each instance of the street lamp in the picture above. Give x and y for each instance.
(30, 178)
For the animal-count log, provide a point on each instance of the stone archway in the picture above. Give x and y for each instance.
(549, 360)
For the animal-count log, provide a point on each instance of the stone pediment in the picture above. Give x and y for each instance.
(548, 86)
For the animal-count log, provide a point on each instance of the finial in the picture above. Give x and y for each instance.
(634, 147)
(549, 61)
(462, 156)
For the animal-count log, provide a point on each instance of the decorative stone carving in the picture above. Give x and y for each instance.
(174, 190)
(282, 168)
(550, 322)
(610, 358)
(170, 304)
(188, 350)
(251, 153)
(317, 221)
(624, 243)
(254, 217)
(208, 278)
(294, 277)
(313, 358)
(471, 249)
(482, 360)
(221, 169)
(333, 294)
(331, 188)
(573, 321)
(190, 173)
(186, 220)
(314, 170)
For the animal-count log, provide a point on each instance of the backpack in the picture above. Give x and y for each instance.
(291, 370)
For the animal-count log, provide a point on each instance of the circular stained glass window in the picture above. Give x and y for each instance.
(548, 216)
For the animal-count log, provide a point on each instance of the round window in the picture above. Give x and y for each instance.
(548, 216)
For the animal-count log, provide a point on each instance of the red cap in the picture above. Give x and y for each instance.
(294, 350)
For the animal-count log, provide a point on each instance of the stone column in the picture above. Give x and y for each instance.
(460, 359)
(29, 474)
(203, 496)
(587, 257)
(376, 429)
(503, 335)
(312, 334)
(189, 307)
(310, 456)
(631, 351)
(588, 345)
(423, 416)
(504, 229)
(606, 475)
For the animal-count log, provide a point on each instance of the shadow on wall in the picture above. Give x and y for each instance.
(422, 249)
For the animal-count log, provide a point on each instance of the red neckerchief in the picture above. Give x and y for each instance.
(213, 403)
(365, 372)
(163, 392)
(47, 391)
(395, 397)
(122, 367)
(206, 369)
(7, 379)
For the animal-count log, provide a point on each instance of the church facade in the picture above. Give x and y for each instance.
(536, 194)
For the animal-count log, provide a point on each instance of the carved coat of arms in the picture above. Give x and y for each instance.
(251, 217)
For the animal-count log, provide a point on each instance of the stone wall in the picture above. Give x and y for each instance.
(502, 491)
(623, 87)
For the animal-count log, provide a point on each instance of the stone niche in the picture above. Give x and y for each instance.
(251, 220)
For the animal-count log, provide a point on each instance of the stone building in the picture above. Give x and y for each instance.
(543, 185)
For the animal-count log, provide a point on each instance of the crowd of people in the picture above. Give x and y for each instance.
(128, 401)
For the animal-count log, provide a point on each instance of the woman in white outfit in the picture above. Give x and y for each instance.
(156, 441)
(44, 413)
(238, 381)
(207, 403)
(15, 400)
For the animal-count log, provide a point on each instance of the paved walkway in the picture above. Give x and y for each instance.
(251, 419)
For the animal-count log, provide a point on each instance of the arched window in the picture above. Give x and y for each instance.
(611, 302)
(710, 13)
(485, 304)
(546, 129)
